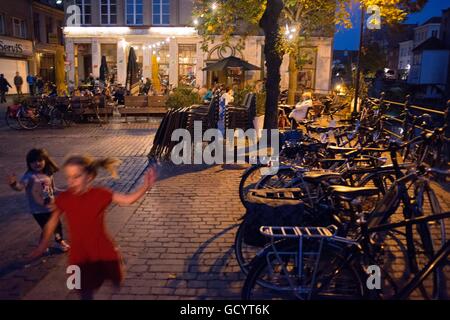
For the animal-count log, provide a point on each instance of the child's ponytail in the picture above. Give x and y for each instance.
(91, 166)
(109, 164)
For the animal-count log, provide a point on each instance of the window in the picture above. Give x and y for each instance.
(434, 33)
(85, 8)
(59, 30)
(2, 24)
(161, 11)
(186, 63)
(19, 28)
(162, 57)
(37, 27)
(108, 11)
(48, 27)
(134, 12)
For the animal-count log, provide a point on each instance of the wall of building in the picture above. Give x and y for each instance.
(324, 57)
(405, 54)
(422, 33)
(435, 65)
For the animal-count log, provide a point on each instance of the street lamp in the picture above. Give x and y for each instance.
(358, 67)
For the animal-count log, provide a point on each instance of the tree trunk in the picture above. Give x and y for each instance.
(270, 26)
(292, 79)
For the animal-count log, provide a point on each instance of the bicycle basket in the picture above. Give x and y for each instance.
(271, 207)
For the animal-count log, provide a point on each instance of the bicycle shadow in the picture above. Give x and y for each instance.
(398, 257)
(214, 272)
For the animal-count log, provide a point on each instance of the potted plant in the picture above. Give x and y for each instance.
(183, 97)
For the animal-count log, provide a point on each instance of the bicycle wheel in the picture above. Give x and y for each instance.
(282, 179)
(11, 119)
(249, 180)
(28, 118)
(244, 253)
(332, 277)
(431, 237)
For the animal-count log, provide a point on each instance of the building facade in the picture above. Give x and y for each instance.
(405, 58)
(48, 22)
(16, 40)
(167, 46)
(30, 36)
(431, 60)
(429, 29)
(388, 39)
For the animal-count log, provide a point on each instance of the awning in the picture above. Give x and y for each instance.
(230, 62)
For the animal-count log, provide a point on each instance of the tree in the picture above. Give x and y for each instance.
(224, 19)
(372, 59)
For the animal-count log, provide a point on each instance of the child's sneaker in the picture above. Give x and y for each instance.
(63, 246)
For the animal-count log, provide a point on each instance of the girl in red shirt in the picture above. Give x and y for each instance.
(84, 206)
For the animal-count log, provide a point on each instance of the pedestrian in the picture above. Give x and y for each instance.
(39, 186)
(18, 82)
(31, 80)
(202, 91)
(4, 84)
(39, 85)
(301, 109)
(207, 96)
(225, 99)
(147, 86)
(84, 206)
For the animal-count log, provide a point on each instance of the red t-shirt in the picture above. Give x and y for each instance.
(85, 214)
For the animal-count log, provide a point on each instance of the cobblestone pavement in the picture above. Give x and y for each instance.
(176, 243)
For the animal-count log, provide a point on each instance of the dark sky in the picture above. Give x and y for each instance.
(349, 38)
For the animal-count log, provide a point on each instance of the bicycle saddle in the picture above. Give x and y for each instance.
(319, 129)
(339, 150)
(353, 192)
(320, 176)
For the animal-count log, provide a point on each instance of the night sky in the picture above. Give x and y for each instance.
(349, 38)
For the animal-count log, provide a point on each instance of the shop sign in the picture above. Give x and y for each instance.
(15, 48)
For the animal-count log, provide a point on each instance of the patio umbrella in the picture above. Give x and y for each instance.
(155, 74)
(132, 80)
(230, 62)
(103, 69)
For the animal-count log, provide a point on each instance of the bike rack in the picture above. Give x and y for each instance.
(300, 233)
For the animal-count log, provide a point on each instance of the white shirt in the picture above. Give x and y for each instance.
(301, 110)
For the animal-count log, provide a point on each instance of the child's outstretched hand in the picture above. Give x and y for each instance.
(150, 177)
(12, 179)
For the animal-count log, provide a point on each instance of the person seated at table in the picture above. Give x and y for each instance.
(301, 109)
(207, 96)
(77, 92)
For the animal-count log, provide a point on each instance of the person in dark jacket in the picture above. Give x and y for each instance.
(31, 80)
(39, 85)
(4, 84)
(18, 82)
